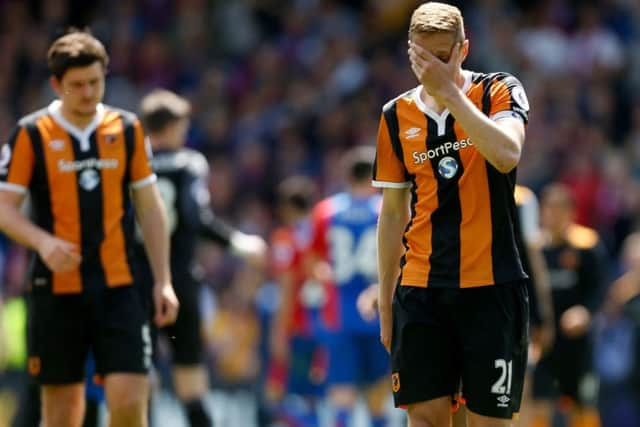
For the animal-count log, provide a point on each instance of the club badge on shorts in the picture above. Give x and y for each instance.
(34, 365)
(395, 382)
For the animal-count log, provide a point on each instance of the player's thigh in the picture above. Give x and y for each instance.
(376, 395)
(375, 363)
(58, 337)
(477, 420)
(302, 379)
(493, 329)
(185, 335)
(122, 342)
(572, 368)
(424, 360)
(434, 412)
(343, 359)
(561, 371)
(63, 405)
(375, 367)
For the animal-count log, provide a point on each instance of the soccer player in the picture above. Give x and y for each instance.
(541, 313)
(296, 366)
(344, 240)
(539, 291)
(627, 286)
(446, 159)
(617, 343)
(183, 184)
(85, 164)
(533, 262)
(577, 270)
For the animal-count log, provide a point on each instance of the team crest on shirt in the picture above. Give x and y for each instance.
(520, 97)
(56, 144)
(5, 157)
(89, 179)
(110, 138)
(395, 382)
(447, 167)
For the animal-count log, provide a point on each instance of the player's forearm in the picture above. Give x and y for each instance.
(390, 250)
(215, 229)
(19, 228)
(155, 231)
(498, 145)
(541, 284)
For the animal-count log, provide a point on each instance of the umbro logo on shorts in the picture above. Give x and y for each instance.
(395, 382)
(503, 401)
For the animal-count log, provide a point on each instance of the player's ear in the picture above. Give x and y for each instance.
(464, 50)
(56, 85)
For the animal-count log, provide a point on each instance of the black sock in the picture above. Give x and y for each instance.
(197, 415)
(91, 414)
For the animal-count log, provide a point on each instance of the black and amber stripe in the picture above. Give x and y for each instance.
(463, 228)
(446, 219)
(98, 219)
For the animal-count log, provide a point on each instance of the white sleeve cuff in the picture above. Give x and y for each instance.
(13, 187)
(144, 181)
(388, 184)
(506, 113)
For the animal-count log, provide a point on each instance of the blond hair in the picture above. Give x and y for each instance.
(435, 17)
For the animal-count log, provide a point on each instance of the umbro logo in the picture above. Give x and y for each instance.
(504, 401)
(5, 158)
(412, 133)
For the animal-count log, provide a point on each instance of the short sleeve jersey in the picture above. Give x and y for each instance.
(463, 216)
(79, 182)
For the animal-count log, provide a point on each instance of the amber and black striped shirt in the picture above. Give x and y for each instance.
(79, 181)
(463, 215)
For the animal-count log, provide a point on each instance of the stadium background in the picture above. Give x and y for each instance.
(284, 87)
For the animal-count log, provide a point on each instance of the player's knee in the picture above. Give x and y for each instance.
(190, 382)
(433, 413)
(64, 415)
(127, 398)
(128, 410)
(377, 395)
(62, 406)
(477, 420)
(343, 396)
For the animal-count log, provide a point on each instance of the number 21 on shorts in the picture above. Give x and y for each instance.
(503, 385)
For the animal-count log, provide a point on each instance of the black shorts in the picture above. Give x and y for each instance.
(563, 370)
(185, 335)
(476, 337)
(112, 322)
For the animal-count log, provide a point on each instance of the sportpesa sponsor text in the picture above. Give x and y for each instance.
(92, 163)
(420, 157)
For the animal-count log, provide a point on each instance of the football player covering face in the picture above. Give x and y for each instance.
(436, 60)
(448, 103)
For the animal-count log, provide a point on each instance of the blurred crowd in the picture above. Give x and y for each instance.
(285, 87)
